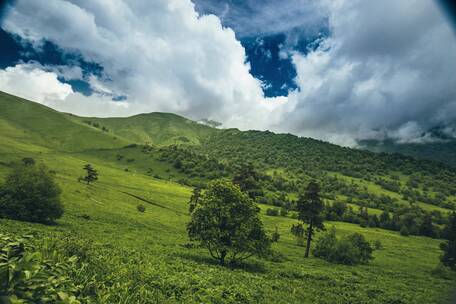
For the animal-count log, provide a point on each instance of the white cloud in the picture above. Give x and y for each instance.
(160, 54)
(32, 83)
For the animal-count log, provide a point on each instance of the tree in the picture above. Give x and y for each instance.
(226, 222)
(310, 211)
(275, 235)
(30, 194)
(194, 199)
(247, 178)
(427, 228)
(91, 174)
(449, 247)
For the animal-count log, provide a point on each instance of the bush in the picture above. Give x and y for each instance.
(272, 212)
(378, 245)
(350, 250)
(30, 194)
(283, 212)
(275, 235)
(141, 208)
(404, 231)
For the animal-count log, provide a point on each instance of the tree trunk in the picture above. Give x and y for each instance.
(309, 238)
(222, 257)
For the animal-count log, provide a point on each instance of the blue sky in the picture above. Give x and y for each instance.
(335, 70)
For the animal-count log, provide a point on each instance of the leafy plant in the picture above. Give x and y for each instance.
(27, 276)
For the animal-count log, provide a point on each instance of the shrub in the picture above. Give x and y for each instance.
(141, 208)
(404, 231)
(283, 212)
(275, 235)
(350, 250)
(378, 245)
(30, 194)
(272, 212)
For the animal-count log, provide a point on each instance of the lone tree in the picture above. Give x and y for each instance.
(30, 194)
(194, 199)
(91, 174)
(449, 247)
(310, 211)
(226, 222)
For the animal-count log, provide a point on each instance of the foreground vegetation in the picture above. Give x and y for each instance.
(111, 252)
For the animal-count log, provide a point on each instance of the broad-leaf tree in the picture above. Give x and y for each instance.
(310, 211)
(30, 194)
(226, 222)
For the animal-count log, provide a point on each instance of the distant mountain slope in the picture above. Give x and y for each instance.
(31, 123)
(154, 128)
(444, 151)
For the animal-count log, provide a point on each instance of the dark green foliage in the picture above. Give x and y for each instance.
(275, 235)
(298, 231)
(28, 276)
(247, 178)
(30, 194)
(449, 247)
(28, 161)
(194, 199)
(378, 245)
(350, 250)
(272, 212)
(141, 208)
(404, 231)
(226, 222)
(310, 211)
(91, 174)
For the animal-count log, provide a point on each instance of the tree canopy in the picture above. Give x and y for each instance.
(226, 222)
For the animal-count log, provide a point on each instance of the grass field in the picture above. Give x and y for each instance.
(146, 257)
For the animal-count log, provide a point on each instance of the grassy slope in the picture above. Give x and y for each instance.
(147, 248)
(155, 128)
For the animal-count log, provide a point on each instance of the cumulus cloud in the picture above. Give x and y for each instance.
(385, 70)
(38, 83)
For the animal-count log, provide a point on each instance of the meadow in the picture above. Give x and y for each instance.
(128, 256)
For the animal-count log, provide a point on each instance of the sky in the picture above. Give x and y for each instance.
(340, 71)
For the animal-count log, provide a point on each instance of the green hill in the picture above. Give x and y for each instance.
(154, 128)
(126, 256)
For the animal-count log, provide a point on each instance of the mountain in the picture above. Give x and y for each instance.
(154, 160)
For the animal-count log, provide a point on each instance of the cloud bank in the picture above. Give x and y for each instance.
(386, 69)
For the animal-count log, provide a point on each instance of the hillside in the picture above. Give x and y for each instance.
(131, 257)
(154, 128)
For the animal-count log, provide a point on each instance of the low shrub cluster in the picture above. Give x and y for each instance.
(352, 249)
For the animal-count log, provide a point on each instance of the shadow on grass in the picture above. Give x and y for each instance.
(249, 266)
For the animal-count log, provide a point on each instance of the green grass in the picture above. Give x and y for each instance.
(142, 258)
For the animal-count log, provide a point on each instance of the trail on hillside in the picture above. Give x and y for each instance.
(152, 203)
